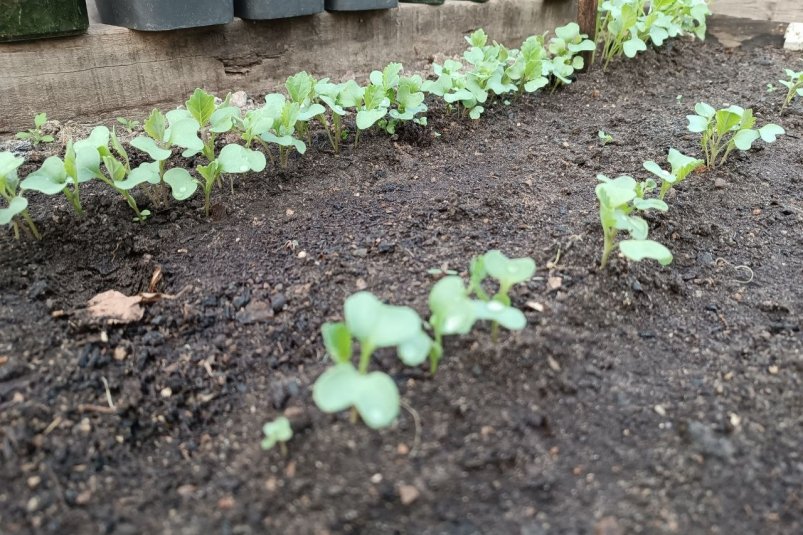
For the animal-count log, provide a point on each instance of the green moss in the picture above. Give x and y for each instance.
(27, 19)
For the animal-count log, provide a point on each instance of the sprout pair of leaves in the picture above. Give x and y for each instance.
(490, 64)
(85, 160)
(233, 159)
(338, 98)
(128, 124)
(375, 325)
(178, 128)
(617, 24)
(689, 15)
(618, 199)
(604, 137)
(212, 119)
(405, 100)
(35, 134)
(16, 204)
(455, 86)
(527, 69)
(301, 88)
(727, 129)
(794, 83)
(682, 166)
(453, 311)
(279, 432)
(566, 48)
(285, 115)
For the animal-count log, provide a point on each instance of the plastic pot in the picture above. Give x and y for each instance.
(156, 15)
(359, 5)
(27, 19)
(275, 9)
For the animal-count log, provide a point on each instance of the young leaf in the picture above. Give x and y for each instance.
(337, 340)
(638, 250)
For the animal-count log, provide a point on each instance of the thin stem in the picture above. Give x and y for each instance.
(365, 357)
(607, 247)
(325, 123)
(31, 225)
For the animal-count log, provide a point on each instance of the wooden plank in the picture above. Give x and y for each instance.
(587, 20)
(771, 10)
(113, 71)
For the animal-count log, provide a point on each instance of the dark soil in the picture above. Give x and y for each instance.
(640, 399)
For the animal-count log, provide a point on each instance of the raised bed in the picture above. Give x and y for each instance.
(360, 5)
(628, 379)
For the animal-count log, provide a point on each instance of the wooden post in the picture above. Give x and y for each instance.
(587, 19)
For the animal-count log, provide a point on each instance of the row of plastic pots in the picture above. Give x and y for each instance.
(23, 20)
(150, 15)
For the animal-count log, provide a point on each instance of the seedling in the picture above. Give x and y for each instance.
(128, 124)
(794, 84)
(682, 166)
(374, 396)
(566, 48)
(506, 271)
(456, 88)
(278, 432)
(35, 134)
(619, 198)
(16, 204)
(604, 137)
(408, 102)
(454, 312)
(164, 131)
(728, 129)
(284, 116)
(771, 88)
(339, 98)
(233, 159)
(212, 119)
(527, 69)
(372, 109)
(301, 88)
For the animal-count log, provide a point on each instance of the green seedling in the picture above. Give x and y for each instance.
(285, 116)
(233, 159)
(338, 98)
(454, 312)
(794, 84)
(682, 166)
(278, 432)
(128, 124)
(90, 159)
(506, 271)
(689, 15)
(490, 64)
(619, 198)
(566, 48)
(526, 70)
(301, 88)
(212, 119)
(408, 104)
(375, 325)
(177, 128)
(771, 88)
(456, 88)
(604, 138)
(35, 134)
(728, 129)
(373, 108)
(16, 204)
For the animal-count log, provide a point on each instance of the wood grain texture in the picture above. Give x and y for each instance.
(769, 10)
(113, 71)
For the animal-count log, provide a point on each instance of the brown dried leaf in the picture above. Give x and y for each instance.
(115, 307)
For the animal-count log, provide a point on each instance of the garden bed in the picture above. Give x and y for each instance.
(639, 399)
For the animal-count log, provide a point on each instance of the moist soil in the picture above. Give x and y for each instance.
(640, 399)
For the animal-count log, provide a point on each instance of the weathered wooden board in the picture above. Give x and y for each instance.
(113, 71)
(772, 10)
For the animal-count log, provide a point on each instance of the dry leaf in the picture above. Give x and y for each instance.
(115, 307)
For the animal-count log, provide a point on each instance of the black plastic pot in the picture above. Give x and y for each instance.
(157, 15)
(275, 9)
(26, 19)
(359, 5)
